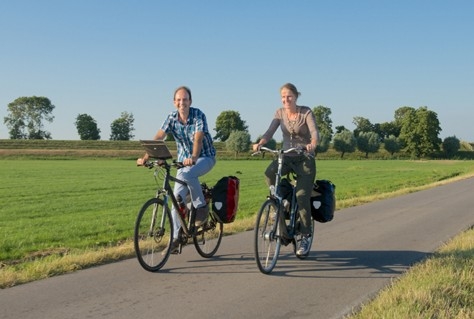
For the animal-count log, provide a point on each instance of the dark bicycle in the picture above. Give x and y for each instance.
(278, 220)
(154, 224)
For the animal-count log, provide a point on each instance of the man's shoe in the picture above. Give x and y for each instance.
(174, 249)
(201, 215)
(304, 246)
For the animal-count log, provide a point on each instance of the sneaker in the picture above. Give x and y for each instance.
(174, 249)
(201, 215)
(304, 246)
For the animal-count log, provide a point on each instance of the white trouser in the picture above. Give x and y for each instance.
(191, 174)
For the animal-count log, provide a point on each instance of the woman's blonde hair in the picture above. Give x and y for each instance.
(292, 88)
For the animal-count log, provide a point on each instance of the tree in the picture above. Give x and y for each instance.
(451, 145)
(400, 115)
(420, 130)
(392, 144)
(238, 142)
(344, 142)
(26, 116)
(340, 128)
(122, 128)
(323, 144)
(368, 142)
(386, 129)
(323, 121)
(227, 122)
(362, 125)
(87, 127)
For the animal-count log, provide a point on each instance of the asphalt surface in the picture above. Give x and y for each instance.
(352, 258)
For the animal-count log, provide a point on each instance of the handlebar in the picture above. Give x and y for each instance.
(298, 150)
(151, 164)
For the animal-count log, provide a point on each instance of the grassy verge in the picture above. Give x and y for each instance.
(440, 287)
(62, 261)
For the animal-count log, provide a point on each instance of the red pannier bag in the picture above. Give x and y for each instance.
(225, 199)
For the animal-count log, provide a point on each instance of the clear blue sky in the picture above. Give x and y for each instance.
(359, 58)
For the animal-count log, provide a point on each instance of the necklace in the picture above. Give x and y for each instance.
(291, 123)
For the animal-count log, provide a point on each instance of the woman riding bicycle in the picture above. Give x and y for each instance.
(299, 129)
(196, 151)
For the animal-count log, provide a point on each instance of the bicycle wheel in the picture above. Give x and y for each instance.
(153, 234)
(208, 237)
(267, 243)
(297, 239)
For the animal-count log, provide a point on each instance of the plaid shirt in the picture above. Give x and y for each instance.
(184, 133)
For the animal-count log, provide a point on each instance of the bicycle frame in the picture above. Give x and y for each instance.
(276, 194)
(166, 192)
(271, 228)
(291, 227)
(155, 236)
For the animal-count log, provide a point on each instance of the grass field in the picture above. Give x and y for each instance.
(81, 210)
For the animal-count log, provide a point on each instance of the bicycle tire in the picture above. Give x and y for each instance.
(208, 237)
(153, 235)
(267, 244)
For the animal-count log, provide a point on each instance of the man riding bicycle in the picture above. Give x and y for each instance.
(196, 151)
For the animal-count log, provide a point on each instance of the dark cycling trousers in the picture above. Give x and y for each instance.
(305, 169)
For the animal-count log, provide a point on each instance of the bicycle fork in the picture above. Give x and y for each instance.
(157, 233)
(272, 217)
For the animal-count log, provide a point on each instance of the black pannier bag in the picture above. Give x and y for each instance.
(323, 201)
(225, 199)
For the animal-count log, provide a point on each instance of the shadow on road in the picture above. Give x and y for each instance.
(377, 263)
(324, 264)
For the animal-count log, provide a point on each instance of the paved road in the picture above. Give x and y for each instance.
(352, 258)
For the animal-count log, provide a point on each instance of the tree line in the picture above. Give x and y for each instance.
(416, 131)
(26, 116)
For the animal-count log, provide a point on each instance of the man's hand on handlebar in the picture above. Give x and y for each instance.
(142, 160)
(188, 162)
